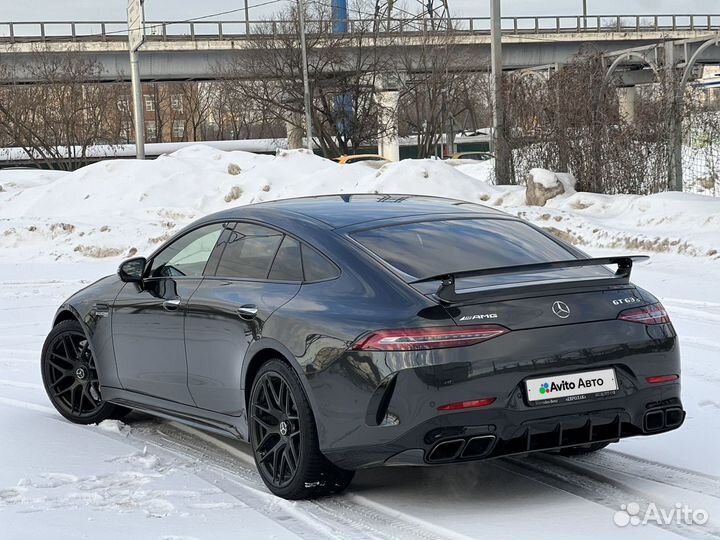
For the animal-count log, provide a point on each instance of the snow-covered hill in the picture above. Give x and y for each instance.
(117, 208)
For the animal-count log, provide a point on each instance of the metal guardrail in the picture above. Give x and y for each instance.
(230, 30)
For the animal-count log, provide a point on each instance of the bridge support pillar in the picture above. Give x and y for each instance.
(295, 134)
(627, 99)
(388, 142)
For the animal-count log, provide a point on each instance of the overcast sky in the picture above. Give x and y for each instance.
(48, 10)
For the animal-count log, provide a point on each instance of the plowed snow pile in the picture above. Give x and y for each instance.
(117, 208)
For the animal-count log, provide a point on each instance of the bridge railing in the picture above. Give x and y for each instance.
(173, 30)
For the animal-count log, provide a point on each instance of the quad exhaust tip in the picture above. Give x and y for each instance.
(474, 447)
(663, 418)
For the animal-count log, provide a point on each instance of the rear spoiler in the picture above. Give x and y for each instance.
(447, 293)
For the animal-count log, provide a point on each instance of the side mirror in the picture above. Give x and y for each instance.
(132, 270)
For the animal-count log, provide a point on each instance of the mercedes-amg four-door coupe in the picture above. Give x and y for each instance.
(341, 332)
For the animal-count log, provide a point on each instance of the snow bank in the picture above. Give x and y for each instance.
(15, 179)
(116, 208)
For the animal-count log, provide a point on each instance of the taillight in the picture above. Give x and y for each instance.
(439, 337)
(659, 379)
(652, 314)
(470, 404)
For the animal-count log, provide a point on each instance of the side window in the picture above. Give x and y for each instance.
(287, 264)
(187, 256)
(316, 266)
(249, 252)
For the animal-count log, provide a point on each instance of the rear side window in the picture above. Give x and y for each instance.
(249, 252)
(433, 247)
(287, 265)
(316, 266)
(256, 252)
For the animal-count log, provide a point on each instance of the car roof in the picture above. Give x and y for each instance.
(345, 210)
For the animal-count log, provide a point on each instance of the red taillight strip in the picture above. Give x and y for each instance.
(652, 314)
(438, 337)
(471, 404)
(657, 379)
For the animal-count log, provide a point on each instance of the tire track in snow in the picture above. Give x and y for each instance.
(612, 460)
(341, 517)
(19, 384)
(590, 485)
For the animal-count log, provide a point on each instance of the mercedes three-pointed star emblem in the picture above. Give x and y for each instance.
(561, 309)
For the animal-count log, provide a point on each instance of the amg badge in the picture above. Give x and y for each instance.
(479, 317)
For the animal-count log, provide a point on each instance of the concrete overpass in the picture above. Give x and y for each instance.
(191, 50)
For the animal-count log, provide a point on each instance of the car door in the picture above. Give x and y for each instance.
(148, 321)
(259, 270)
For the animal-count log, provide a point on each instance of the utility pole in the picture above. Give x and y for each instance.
(136, 36)
(584, 8)
(675, 170)
(306, 79)
(138, 113)
(499, 142)
(247, 19)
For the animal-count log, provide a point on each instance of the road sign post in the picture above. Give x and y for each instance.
(136, 36)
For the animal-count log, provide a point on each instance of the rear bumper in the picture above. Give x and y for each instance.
(473, 435)
(396, 420)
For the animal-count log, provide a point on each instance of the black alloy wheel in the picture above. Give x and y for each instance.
(276, 428)
(284, 437)
(71, 378)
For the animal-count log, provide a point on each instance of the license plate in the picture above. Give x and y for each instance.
(571, 387)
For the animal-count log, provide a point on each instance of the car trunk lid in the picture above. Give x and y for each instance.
(554, 308)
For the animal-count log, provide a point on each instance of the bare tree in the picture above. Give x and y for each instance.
(572, 121)
(343, 72)
(197, 100)
(56, 119)
(437, 96)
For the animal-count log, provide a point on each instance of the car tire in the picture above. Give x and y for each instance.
(70, 376)
(284, 437)
(585, 449)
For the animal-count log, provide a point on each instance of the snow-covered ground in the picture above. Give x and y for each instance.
(157, 480)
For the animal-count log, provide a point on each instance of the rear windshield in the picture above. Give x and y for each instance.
(434, 247)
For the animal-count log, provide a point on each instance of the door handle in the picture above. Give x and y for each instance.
(248, 311)
(171, 305)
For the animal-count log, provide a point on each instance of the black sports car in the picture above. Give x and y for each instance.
(349, 331)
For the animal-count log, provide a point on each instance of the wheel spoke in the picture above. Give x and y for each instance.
(269, 453)
(54, 363)
(81, 398)
(59, 393)
(60, 379)
(264, 424)
(291, 457)
(284, 465)
(276, 462)
(275, 396)
(264, 409)
(70, 351)
(286, 399)
(263, 441)
(268, 395)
